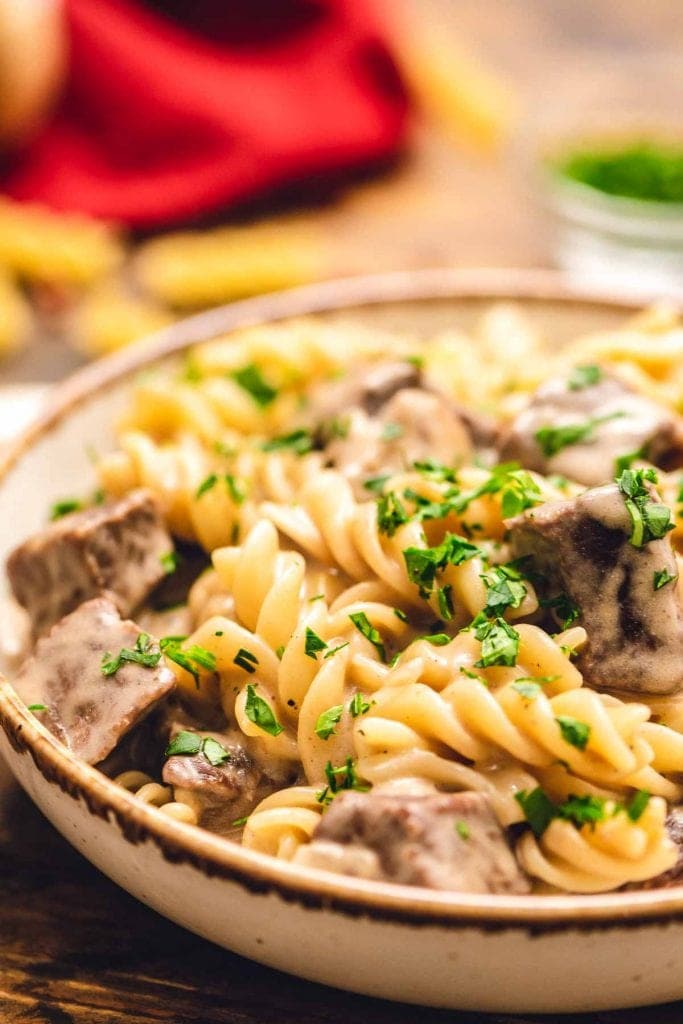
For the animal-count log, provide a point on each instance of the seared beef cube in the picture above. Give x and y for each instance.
(366, 388)
(619, 421)
(446, 841)
(115, 547)
(221, 792)
(581, 548)
(413, 426)
(87, 710)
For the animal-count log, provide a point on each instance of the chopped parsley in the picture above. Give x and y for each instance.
(333, 650)
(400, 614)
(376, 483)
(437, 639)
(391, 514)
(435, 471)
(444, 599)
(235, 489)
(313, 644)
(65, 507)
(638, 804)
(365, 627)
(553, 439)
(584, 377)
(324, 727)
(504, 589)
(662, 577)
(573, 731)
(517, 488)
(343, 777)
(463, 829)
(37, 707)
(261, 714)
(567, 610)
(650, 520)
(539, 810)
(499, 641)
(424, 563)
(239, 822)
(170, 562)
(245, 659)
(189, 744)
(250, 380)
(391, 432)
(298, 441)
(191, 659)
(184, 743)
(144, 653)
(359, 706)
(526, 688)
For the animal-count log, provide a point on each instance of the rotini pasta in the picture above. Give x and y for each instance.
(375, 653)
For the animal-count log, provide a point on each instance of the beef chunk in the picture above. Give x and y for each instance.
(636, 423)
(445, 841)
(412, 426)
(581, 548)
(220, 793)
(367, 388)
(88, 711)
(116, 547)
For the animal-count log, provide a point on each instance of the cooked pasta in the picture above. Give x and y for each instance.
(409, 609)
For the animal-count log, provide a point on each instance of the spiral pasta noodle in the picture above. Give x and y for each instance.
(379, 632)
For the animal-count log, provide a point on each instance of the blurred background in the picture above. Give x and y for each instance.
(160, 157)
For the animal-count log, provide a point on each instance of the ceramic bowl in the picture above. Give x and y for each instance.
(504, 953)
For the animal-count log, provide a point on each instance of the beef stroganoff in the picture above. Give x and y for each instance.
(404, 611)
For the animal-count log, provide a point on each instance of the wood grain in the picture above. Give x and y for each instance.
(74, 949)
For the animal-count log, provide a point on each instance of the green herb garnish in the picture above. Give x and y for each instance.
(313, 644)
(642, 169)
(250, 380)
(299, 441)
(650, 520)
(463, 829)
(324, 727)
(333, 650)
(424, 563)
(261, 714)
(584, 377)
(504, 589)
(499, 641)
(391, 514)
(662, 577)
(191, 659)
(245, 659)
(567, 610)
(143, 653)
(391, 432)
(170, 562)
(553, 439)
(638, 804)
(573, 731)
(365, 627)
(358, 705)
(65, 507)
(188, 744)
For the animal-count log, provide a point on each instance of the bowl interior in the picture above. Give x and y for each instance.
(53, 460)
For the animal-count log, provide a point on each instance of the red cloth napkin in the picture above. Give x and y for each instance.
(170, 115)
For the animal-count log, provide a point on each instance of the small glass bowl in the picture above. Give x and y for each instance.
(619, 242)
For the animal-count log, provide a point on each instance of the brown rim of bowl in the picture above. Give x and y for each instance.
(212, 854)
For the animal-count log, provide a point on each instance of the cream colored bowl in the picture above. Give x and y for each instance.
(513, 953)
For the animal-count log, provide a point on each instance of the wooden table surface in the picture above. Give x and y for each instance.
(74, 949)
